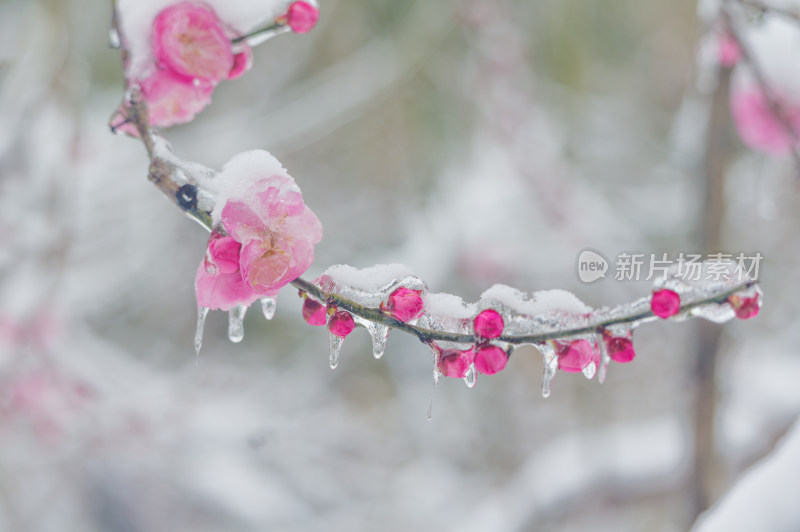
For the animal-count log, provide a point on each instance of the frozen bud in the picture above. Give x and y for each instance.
(190, 40)
(455, 363)
(302, 17)
(574, 356)
(665, 303)
(745, 307)
(489, 324)
(403, 304)
(314, 312)
(619, 348)
(489, 359)
(341, 323)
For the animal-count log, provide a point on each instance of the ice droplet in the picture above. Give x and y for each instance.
(202, 312)
(550, 363)
(436, 375)
(336, 348)
(236, 323)
(113, 38)
(589, 370)
(268, 306)
(471, 376)
(604, 360)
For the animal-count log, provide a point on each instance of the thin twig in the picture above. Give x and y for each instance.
(767, 8)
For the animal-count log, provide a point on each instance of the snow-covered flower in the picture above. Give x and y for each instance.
(192, 52)
(270, 238)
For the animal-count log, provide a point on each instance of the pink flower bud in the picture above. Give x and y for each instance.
(454, 363)
(302, 17)
(489, 324)
(575, 355)
(314, 312)
(341, 323)
(403, 304)
(665, 303)
(489, 359)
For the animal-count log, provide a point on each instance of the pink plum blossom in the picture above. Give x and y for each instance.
(172, 100)
(190, 40)
(277, 232)
(270, 242)
(193, 52)
(757, 125)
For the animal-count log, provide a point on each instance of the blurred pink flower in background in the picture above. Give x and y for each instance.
(758, 127)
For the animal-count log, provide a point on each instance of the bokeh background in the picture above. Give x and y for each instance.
(475, 141)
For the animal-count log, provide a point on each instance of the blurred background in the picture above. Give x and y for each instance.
(478, 142)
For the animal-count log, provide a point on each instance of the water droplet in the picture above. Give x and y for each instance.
(268, 306)
(202, 312)
(113, 38)
(589, 370)
(336, 348)
(471, 376)
(550, 363)
(236, 323)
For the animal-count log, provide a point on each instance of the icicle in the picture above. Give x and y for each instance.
(336, 348)
(550, 362)
(268, 305)
(436, 375)
(202, 312)
(236, 323)
(471, 376)
(379, 334)
(605, 359)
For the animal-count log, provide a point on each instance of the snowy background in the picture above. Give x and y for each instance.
(475, 141)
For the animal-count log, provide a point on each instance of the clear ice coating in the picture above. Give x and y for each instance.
(471, 377)
(336, 348)
(550, 363)
(236, 323)
(268, 306)
(202, 312)
(715, 312)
